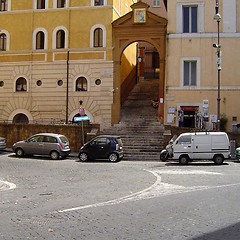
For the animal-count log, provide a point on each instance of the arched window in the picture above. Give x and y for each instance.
(60, 39)
(20, 118)
(21, 84)
(98, 37)
(40, 39)
(3, 42)
(41, 4)
(81, 84)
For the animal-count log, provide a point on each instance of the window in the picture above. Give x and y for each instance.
(156, 3)
(184, 140)
(3, 5)
(50, 139)
(98, 82)
(190, 16)
(81, 84)
(60, 39)
(20, 118)
(101, 141)
(40, 39)
(190, 73)
(98, 37)
(61, 3)
(60, 83)
(41, 4)
(3, 42)
(98, 2)
(39, 83)
(36, 139)
(21, 84)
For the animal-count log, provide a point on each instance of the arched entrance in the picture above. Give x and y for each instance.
(139, 25)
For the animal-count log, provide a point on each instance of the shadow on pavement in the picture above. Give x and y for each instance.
(231, 232)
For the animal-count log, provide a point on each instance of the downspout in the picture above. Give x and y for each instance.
(67, 92)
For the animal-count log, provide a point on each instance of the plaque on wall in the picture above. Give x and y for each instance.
(140, 15)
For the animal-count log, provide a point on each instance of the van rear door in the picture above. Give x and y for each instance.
(220, 144)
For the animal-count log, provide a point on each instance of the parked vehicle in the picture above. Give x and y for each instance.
(199, 145)
(237, 153)
(102, 147)
(54, 145)
(2, 143)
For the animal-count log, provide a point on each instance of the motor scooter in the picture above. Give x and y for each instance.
(168, 151)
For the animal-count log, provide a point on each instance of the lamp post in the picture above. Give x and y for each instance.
(217, 17)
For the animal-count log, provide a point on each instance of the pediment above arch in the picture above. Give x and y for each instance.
(149, 18)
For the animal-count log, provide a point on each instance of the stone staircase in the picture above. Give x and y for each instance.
(139, 128)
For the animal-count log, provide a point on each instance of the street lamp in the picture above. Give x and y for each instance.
(217, 17)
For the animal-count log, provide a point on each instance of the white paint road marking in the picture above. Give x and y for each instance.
(156, 190)
(6, 185)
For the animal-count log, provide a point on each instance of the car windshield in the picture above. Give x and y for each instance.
(64, 139)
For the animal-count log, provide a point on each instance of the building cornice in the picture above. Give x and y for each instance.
(201, 35)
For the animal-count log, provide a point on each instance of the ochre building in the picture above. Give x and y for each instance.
(57, 56)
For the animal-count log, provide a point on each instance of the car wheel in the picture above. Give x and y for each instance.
(184, 160)
(218, 159)
(83, 157)
(19, 152)
(54, 155)
(113, 157)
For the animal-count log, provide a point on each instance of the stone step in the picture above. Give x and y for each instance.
(140, 130)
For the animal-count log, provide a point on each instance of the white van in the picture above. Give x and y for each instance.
(201, 145)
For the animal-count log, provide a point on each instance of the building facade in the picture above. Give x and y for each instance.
(192, 73)
(55, 57)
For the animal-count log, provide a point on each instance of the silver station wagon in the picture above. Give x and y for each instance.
(51, 144)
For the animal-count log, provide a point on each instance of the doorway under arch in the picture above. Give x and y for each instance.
(128, 29)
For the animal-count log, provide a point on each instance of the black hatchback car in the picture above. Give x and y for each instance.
(102, 147)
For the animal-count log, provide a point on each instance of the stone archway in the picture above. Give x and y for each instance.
(138, 25)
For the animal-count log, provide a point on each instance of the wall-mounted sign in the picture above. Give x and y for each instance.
(205, 109)
(140, 15)
(79, 119)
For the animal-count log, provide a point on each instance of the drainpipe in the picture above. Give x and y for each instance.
(67, 87)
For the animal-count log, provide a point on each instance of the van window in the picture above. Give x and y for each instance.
(184, 140)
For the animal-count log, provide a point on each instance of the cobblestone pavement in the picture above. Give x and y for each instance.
(127, 200)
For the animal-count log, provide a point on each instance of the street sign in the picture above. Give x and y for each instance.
(79, 119)
(81, 111)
